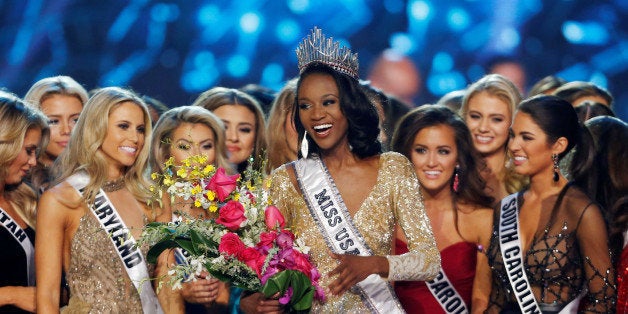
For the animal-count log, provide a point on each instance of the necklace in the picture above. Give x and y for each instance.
(114, 185)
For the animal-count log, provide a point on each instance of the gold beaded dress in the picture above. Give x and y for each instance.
(395, 198)
(97, 278)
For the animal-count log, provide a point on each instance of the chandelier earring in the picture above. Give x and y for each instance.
(556, 169)
(456, 184)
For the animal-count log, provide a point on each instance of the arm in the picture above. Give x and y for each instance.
(482, 282)
(600, 274)
(51, 222)
(21, 297)
(422, 262)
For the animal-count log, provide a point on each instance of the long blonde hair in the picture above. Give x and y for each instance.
(171, 119)
(16, 118)
(220, 96)
(502, 88)
(282, 108)
(83, 152)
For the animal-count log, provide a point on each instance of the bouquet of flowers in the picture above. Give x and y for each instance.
(246, 245)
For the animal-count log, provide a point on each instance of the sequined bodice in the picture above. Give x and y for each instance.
(96, 274)
(395, 195)
(566, 255)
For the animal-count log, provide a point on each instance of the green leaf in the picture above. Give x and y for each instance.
(187, 245)
(302, 289)
(155, 250)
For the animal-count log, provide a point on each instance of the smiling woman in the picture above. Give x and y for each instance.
(99, 200)
(23, 131)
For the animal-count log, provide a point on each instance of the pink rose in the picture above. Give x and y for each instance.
(285, 239)
(222, 184)
(252, 258)
(231, 244)
(231, 215)
(273, 217)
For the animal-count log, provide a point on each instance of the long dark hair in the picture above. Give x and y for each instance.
(360, 113)
(557, 118)
(471, 185)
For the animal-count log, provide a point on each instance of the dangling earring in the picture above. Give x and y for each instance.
(456, 179)
(555, 160)
(304, 146)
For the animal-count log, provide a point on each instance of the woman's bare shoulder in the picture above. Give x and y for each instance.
(62, 194)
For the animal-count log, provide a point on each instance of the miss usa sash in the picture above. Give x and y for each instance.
(342, 237)
(20, 236)
(444, 292)
(123, 241)
(510, 245)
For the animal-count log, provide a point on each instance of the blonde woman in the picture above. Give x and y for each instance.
(244, 123)
(90, 218)
(23, 131)
(61, 99)
(180, 133)
(281, 133)
(488, 107)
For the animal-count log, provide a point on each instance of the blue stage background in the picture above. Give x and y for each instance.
(173, 50)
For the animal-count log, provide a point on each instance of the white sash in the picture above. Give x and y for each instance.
(510, 245)
(342, 237)
(444, 292)
(125, 244)
(20, 236)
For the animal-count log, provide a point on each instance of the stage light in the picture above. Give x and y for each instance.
(458, 19)
(272, 75)
(287, 31)
(442, 62)
(585, 33)
(299, 6)
(208, 15)
(393, 6)
(250, 22)
(443, 83)
(402, 43)
(238, 65)
(420, 10)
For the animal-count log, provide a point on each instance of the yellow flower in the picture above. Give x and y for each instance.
(154, 175)
(236, 197)
(168, 181)
(208, 169)
(197, 189)
(169, 162)
(182, 173)
(213, 208)
(211, 195)
(197, 203)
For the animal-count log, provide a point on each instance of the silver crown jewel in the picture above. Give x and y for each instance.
(316, 48)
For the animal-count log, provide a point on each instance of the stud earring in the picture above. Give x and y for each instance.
(304, 146)
(555, 161)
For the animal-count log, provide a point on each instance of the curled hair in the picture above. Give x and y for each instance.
(16, 118)
(557, 118)
(282, 108)
(172, 119)
(84, 154)
(360, 113)
(607, 181)
(220, 96)
(471, 184)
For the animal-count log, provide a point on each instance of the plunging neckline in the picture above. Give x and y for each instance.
(341, 199)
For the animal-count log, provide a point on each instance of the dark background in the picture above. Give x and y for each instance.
(174, 50)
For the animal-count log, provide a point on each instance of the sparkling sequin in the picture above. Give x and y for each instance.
(96, 275)
(395, 197)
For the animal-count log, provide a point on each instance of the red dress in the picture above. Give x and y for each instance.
(458, 261)
(622, 283)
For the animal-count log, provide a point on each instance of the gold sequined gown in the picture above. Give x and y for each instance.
(395, 198)
(97, 278)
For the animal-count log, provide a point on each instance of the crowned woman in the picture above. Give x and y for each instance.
(344, 190)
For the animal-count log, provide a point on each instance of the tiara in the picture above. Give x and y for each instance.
(316, 48)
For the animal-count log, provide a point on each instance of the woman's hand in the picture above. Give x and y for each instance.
(203, 290)
(256, 303)
(352, 269)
